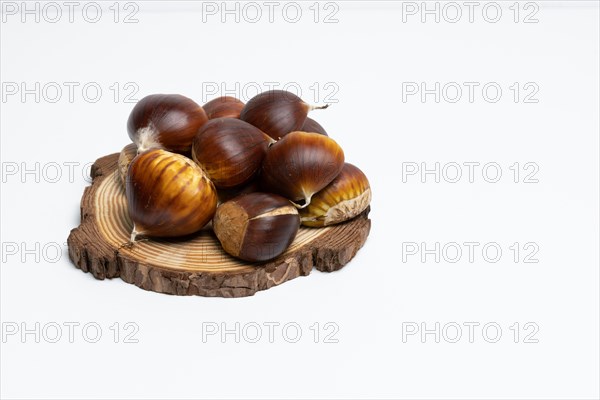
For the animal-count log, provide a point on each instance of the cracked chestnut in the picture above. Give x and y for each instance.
(348, 195)
(256, 226)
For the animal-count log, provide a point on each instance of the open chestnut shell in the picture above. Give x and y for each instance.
(276, 112)
(223, 107)
(230, 151)
(300, 164)
(165, 121)
(168, 195)
(256, 226)
(348, 195)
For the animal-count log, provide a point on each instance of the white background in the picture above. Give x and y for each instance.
(366, 55)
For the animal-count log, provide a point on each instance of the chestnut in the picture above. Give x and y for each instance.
(344, 198)
(256, 226)
(223, 107)
(165, 121)
(168, 195)
(228, 194)
(310, 125)
(125, 158)
(277, 112)
(230, 151)
(300, 164)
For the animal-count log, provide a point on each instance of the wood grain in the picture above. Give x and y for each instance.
(194, 265)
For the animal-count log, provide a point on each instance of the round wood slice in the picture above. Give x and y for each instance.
(194, 265)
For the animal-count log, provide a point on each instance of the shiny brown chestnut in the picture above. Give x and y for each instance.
(125, 158)
(300, 164)
(223, 107)
(348, 195)
(230, 151)
(310, 125)
(277, 112)
(165, 121)
(168, 195)
(256, 226)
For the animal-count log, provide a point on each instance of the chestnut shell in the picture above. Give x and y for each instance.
(300, 164)
(167, 121)
(310, 125)
(223, 107)
(168, 195)
(228, 194)
(256, 226)
(348, 195)
(276, 112)
(230, 151)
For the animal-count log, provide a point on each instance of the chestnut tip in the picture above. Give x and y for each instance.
(314, 107)
(134, 234)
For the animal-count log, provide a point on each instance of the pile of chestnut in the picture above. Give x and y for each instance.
(257, 170)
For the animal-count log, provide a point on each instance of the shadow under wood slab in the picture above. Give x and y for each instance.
(195, 265)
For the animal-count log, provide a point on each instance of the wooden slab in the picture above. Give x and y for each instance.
(195, 265)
